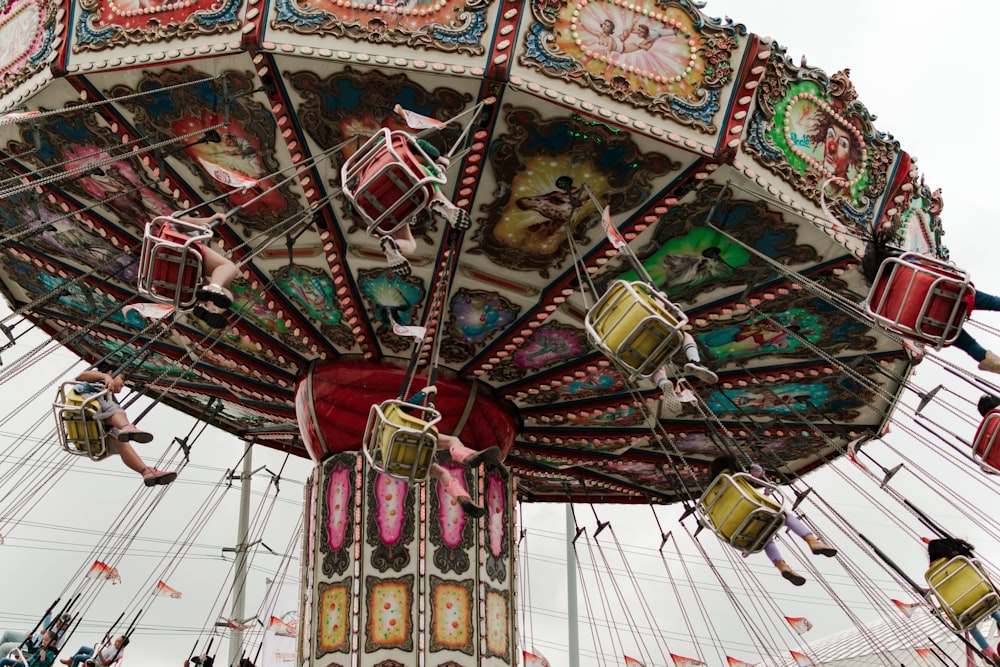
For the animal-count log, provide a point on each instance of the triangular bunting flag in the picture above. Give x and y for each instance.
(416, 121)
(733, 662)
(801, 659)
(632, 662)
(101, 570)
(610, 230)
(281, 628)
(906, 607)
(681, 661)
(237, 625)
(163, 590)
(233, 179)
(800, 625)
(411, 331)
(150, 311)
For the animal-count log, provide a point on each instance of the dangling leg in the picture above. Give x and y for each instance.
(987, 360)
(816, 545)
(984, 301)
(671, 404)
(772, 552)
(443, 207)
(454, 489)
(396, 247)
(694, 366)
(150, 476)
(119, 428)
(467, 456)
(219, 270)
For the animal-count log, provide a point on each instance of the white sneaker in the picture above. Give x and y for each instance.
(456, 217)
(397, 263)
(700, 372)
(671, 404)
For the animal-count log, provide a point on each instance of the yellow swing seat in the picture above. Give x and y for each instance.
(401, 439)
(920, 297)
(964, 592)
(79, 432)
(389, 180)
(171, 263)
(636, 326)
(738, 511)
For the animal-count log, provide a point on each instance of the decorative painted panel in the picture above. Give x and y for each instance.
(433, 25)
(663, 57)
(104, 24)
(28, 36)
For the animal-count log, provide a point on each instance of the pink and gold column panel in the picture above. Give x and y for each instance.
(397, 574)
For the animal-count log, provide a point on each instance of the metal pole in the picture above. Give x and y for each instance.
(571, 612)
(240, 571)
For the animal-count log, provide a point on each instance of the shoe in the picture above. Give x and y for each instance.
(154, 477)
(489, 454)
(397, 263)
(790, 574)
(700, 372)
(456, 217)
(685, 394)
(213, 320)
(132, 433)
(216, 294)
(819, 547)
(671, 404)
(471, 508)
(990, 364)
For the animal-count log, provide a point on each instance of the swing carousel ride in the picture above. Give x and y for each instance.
(596, 147)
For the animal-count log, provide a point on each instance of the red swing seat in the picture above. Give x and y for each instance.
(985, 450)
(920, 297)
(171, 263)
(389, 180)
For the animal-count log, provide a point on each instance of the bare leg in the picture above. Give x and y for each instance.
(454, 489)
(129, 456)
(218, 268)
(404, 239)
(466, 455)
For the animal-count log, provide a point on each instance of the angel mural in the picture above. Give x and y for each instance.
(629, 42)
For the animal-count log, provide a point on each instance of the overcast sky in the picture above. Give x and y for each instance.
(924, 69)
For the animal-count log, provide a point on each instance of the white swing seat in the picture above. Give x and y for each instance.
(79, 432)
(389, 180)
(636, 326)
(171, 263)
(920, 297)
(738, 511)
(401, 439)
(963, 591)
(985, 450)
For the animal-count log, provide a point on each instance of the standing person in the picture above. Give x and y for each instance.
(726, 464)
(119, 429)
(881, 248)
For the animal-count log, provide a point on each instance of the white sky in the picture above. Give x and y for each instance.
(923, 69)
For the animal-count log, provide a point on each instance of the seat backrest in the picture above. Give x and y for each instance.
(738, 510)
(80, 427)
(407, 443)
(985, 448)
(963, 589)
